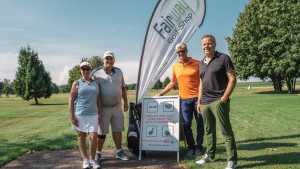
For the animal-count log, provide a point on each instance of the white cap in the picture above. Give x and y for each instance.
(85, 64)
(108, 53)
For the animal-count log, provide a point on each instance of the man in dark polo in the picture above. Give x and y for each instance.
(217, 81)
(113, 89)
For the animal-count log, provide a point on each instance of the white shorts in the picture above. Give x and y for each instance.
(87, 124)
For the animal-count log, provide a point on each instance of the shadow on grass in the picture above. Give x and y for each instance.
(273, 92)
(270, 138)
(272, 159)
(269, 159)
(260, 146)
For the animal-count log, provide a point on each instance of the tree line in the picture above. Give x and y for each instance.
(6, 87)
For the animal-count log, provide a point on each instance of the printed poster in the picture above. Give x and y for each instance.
(160, 123)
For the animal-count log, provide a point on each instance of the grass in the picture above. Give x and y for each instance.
(266, 127)
(253, 84)
(26, 127)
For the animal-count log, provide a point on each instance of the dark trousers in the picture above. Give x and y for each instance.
(188, 109)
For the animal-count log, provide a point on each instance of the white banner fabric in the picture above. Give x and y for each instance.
(172, 21)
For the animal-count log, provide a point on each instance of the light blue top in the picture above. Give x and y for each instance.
(86, 101)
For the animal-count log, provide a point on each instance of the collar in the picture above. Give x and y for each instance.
(190, 60)
(85, 81)
(112, 70)
(215, 55)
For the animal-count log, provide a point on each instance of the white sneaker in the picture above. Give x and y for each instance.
(205, 159)
(94, 164)
(86, 164)
(230, 165)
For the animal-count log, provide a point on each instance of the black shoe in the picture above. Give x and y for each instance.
(98, 158)
(190, 153)
(198, 153)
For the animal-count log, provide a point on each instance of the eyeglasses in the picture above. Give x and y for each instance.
(182, 51)
(87, 69)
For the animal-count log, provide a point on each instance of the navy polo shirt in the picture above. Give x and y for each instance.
(214, 77)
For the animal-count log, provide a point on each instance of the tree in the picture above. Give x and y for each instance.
(95, 62)
(6, 87)
(266, 40)
(166, 82)
(176, 87)
(75, 74)
(55, 89)
(64, 89)
(31, 80)
(1, 87)
(158, 85)
(131, 86)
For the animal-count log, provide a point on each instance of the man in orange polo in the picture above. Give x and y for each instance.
(186, 73)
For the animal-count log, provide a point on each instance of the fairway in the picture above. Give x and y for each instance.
(266, 127)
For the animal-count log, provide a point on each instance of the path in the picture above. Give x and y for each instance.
(72, 159)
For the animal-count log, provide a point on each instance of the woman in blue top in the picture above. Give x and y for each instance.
(86, 111)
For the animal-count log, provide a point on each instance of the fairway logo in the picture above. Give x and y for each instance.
(171, 22)
(175, 19)
(197, 1)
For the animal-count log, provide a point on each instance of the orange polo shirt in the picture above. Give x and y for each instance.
(187, 78)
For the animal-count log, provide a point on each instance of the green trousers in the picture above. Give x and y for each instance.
(218, 112)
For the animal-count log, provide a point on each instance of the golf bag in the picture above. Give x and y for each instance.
(133, 133)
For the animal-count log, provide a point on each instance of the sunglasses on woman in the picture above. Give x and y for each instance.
(87, 69)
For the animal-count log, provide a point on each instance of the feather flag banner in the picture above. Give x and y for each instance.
(172, 21)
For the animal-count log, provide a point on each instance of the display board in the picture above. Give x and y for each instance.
(160, 124)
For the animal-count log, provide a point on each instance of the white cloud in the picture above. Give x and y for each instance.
(63, 76)
(130, 71)
(59, 66)
(9, 64)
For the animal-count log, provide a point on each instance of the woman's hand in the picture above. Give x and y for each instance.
(74, 121)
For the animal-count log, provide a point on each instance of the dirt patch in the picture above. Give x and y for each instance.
(72, 159)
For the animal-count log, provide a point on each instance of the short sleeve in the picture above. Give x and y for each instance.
(228, 64)
(122, 80)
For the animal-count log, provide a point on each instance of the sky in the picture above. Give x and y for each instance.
(64, 31)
